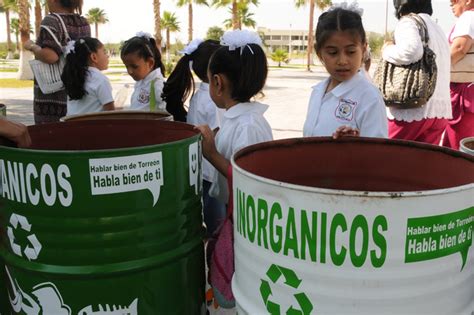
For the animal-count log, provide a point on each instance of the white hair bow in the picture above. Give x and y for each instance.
(144, 34)
(192, 46)
(354, 7)
(69, 47)
(240, 39)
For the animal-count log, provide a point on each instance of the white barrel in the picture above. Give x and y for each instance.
(467, 145)
(354, 226)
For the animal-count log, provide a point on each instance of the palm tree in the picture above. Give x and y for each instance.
(234, 8)
(7, 6)
(215, 33)
(321, 4)
(244, 17)
(38, 17)
(181, 3)
(170, 23)
(96, 16)
(156, 11)
(15, 29)
(24, 71)
(280, 55)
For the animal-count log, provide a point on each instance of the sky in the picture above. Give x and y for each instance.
(125, 19)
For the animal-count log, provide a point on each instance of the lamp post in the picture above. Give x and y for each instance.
(289, 45)
(386, 18)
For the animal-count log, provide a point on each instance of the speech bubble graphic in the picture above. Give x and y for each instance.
(126, 174)
(194, 166)
(438, 236)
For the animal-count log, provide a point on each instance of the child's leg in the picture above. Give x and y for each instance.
(214, 211)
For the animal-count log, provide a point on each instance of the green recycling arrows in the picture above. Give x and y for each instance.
(291, 279)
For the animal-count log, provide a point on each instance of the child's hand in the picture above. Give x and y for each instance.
(16, 132)
(344, 131)
(208, 143)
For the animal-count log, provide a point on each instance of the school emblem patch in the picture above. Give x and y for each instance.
(345, 109)
(144, 96)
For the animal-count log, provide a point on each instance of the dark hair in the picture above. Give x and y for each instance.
(76, 67)
(337, 20)
(145, 48)
(246, 68)
(180, 83)
(72, 4)
(404, 7)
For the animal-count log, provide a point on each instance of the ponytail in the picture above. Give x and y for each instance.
(77, 64)
(178, 87)
(180, 84)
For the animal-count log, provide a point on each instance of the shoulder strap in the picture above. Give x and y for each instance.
(46, 28)
(152, 96)
(68, 38)
(422, 28)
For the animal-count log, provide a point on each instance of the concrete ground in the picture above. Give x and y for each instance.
(287, 93)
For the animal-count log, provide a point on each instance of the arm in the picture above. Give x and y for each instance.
(408, 47)
(459, 48)
(16, 132)
(210, 151)
(46, 55)
(108, 106)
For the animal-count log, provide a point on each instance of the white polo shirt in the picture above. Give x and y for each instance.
(243, 125)
(99, 93)
(140, 99)
(355, 102)
(203, 111)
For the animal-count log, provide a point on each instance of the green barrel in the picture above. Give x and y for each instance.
(104, 217)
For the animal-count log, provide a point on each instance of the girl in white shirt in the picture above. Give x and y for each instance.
(202, 111)
(427, 123)
(143, 62)
(346, 102)
(237, 72)
(87, 88)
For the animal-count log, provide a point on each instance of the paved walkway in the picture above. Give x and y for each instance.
(287, 92)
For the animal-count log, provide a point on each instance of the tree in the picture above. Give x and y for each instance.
(15, 29)
(215, 33)
(96, 16)
(234, 8)
(38, 17)
(244, 17)
(321, 4)
(280, 55)
(189, 3)
(7, 6)
(157, 14)
(24, 71)
(170, 23)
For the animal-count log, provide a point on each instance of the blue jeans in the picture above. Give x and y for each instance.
(214, 210)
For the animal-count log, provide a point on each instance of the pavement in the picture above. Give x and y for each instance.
(287, 93)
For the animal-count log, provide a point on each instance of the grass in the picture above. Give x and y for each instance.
(15, 83)
(8, 69)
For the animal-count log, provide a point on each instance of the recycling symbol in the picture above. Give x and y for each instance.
(31, 251)
(274, 273)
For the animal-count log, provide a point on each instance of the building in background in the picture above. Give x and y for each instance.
(293, 41)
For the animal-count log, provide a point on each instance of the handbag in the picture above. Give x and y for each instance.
(48, 76)
(409, 86)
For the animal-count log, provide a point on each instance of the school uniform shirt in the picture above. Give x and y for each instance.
(243, 124)
(355, 102)
(408, 49)
(203, 111)
(98, 94)
(140, 99)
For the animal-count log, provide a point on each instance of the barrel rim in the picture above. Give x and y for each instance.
(14, 149)
(353, 193)
(77, 117)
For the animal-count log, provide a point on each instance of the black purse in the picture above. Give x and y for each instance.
(409, 86)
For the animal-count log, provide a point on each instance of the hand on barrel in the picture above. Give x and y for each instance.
(15, 132)
(208, 143)
(344, 131)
